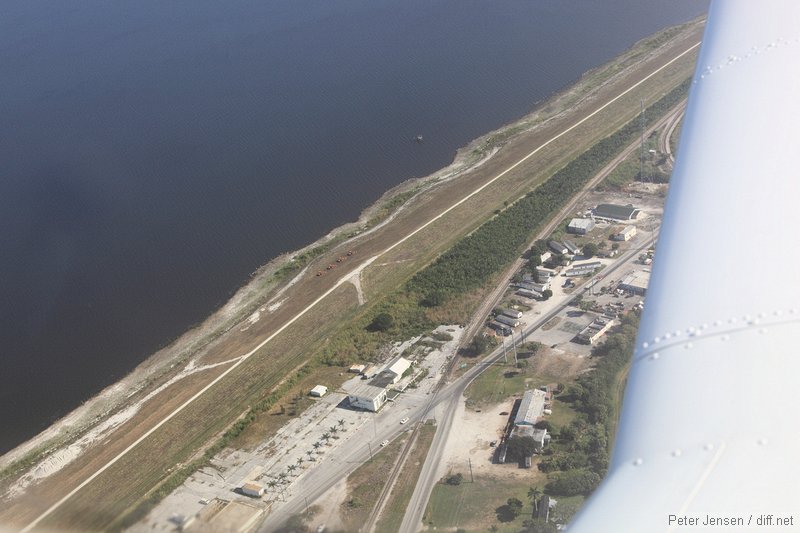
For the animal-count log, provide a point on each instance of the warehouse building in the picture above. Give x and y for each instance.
(367, 397)
(635, 283)
(594, 331)
(616, 212)
(580, 226)
(583, 269)
(531, 408)
(397, 368)
(624, 235)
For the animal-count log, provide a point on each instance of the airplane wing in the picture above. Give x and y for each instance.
(710, 425)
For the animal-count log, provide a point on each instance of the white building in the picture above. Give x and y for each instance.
(635, 283)
(580, 226)
(253, 490)
(357, 369)
(625, 235)
(531, 407)
(319, 391)
(398, 368)
(367, 397)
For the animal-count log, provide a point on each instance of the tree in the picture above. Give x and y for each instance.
(573, 483)
(509, 511)
(518, 448)
(534, 493)
(515, 505)
(381, 322)
(478, 346)
(455, 479)
(589, 249)
(522, 365)
(433, 298)
(546, 294)
(340, 422)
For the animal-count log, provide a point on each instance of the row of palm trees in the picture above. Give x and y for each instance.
(282, 478)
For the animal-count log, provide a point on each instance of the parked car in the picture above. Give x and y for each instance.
(384, 443)
(404, 420)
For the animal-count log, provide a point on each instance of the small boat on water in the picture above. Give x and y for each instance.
(418, 138)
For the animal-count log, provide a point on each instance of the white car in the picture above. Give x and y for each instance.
(403, 421)
(384, 443)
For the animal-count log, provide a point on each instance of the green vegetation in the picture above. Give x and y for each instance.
(406, 482)
(580, 451)
(475, 258)
(393, 204)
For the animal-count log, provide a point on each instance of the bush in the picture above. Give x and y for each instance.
(455, 479)
(381, 322)
(573, 483)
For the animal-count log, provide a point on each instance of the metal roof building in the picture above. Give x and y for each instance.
(636, 282)
(367, 397)
(398, 368)
(531, 407)
(616, 212)
(580, 226)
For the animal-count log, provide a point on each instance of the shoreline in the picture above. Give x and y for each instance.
(263, 290)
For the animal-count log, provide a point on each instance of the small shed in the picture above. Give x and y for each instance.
(319, 391)
(357, 369)
(254, 490)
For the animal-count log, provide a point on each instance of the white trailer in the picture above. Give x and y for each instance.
(513, 313)
(507, 320)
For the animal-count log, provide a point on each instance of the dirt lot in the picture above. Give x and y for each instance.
(297, 323)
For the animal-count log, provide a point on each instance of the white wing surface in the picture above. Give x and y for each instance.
(710, 425)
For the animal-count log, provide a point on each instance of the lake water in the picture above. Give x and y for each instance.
(153, 154)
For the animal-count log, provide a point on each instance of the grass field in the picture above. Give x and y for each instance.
(474, 506)
(364, 485)
(395, 509)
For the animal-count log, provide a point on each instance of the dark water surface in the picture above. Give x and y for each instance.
(153, 154)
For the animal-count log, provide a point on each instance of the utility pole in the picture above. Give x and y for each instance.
(471, 477)
(370, 450)
(505, 355)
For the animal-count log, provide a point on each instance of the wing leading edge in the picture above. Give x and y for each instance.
(708, 437)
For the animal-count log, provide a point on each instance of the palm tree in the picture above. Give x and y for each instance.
(326, 436)
(534, 494)
(291, 468)
(272, 483)
(340, 422)
(282, 477)
(316, 445)
(309, 453)
(300, 462)
(333, 429)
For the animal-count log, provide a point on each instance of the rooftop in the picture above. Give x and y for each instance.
(616, 212)
(365, 390)
(531, 407)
